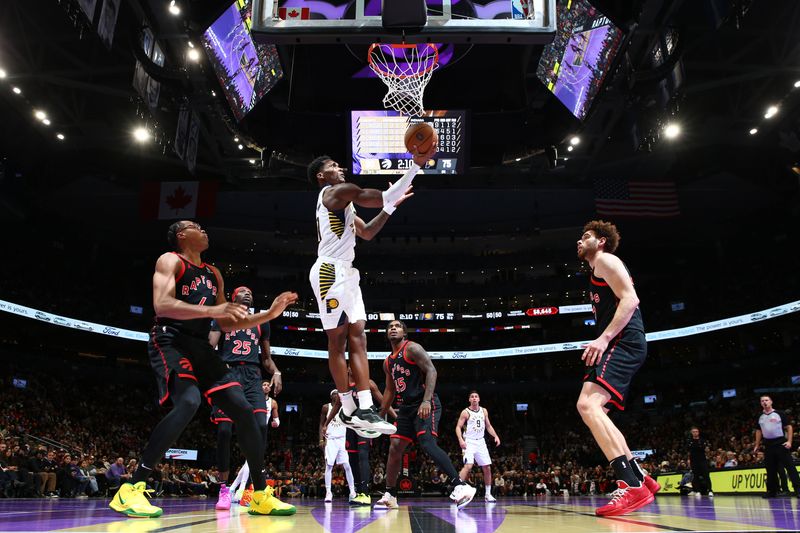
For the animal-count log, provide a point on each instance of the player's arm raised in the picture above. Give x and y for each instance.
(279, 304)
(462, 419)
(323, 417)
(166, 305)
(490, 428)
(423, 361)
(611, 268)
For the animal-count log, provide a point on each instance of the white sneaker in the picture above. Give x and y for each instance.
(489, 498)
(388, 501)
(710, 494)
(328, 497)
(463, 494)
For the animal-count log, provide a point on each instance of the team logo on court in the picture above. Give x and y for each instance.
(331, 304)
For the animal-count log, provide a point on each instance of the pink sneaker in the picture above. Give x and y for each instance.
(224, 502)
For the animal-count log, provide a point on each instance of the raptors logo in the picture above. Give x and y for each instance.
(593, 296)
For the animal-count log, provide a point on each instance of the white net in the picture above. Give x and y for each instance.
(406, 70)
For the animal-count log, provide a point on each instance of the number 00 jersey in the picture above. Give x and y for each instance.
(336, 231)
(476, 424)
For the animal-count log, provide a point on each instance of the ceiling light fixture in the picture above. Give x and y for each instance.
(771, 111)
(672, 130)
(174, 9)
(753, 131)
(141, 134)
(575, 140)
(60, 136)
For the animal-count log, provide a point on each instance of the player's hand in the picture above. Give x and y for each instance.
(276, 385)
(424, 410)
(322, 440)
(594, 351)
(283, 300)
(787, 445)
(462, 444)
(497, 441)
(228, 310)
(422, 159)
(406, 195)
(274, 423)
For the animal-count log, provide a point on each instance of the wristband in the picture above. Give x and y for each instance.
(276, 373)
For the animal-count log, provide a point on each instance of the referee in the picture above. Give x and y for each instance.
(777, 434)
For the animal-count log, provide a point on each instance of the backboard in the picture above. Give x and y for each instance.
(359, 21)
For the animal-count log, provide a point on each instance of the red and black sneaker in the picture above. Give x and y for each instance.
(651, 484)
(625, 500)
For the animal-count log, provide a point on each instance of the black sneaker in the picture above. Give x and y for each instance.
(368, 419)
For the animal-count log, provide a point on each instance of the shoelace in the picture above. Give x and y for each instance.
(145, 491)
(617, 495)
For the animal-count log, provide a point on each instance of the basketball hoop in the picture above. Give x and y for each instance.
(406, 70)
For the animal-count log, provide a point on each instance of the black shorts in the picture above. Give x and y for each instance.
(410, 426)
(616, 368)
(249, 377)
(352, 441)
(174, 354)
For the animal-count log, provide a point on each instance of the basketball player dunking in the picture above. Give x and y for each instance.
(473, 443)
(336, 283)
(411, 386)
(187, 295)
(244, 351)
(612, 359)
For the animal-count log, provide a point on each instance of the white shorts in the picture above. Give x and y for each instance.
(335, 284)
(477, 453)
(335, 451)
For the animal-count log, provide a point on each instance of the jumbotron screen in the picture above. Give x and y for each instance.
(245, 69)
(378, 146)
(575, 64)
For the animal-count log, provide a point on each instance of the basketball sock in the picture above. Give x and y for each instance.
(348, 404)
(328, 477)
(141, 474)
(364, 399)
(391, 490)
(624, 472)
(488, 490)
(637, 469)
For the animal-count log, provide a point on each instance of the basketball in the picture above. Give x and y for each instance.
(420, 134)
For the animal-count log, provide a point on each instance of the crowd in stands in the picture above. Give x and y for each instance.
(76, 430)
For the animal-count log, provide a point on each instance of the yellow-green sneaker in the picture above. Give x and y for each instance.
(265, 503)
(131, 500)
(361, 499)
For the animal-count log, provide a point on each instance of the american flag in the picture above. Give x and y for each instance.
(645, 199)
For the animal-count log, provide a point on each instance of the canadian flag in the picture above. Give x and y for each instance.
(178, 199)
(294, 13)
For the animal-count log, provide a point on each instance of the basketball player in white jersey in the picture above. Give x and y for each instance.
(237, 488)
(336, 283)
(332, 438)
(473, 443)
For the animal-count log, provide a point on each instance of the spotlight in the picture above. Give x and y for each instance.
(193, 55)
(46, 122)
(2, 74)
(60, 136)
(241, 147)
(141, 134)
(570, 148)
(753, 131)
(796, 84)
(672, 130)
(41, 115)
(174, 9)
(575, 140)
(771, 111)
(252, 161)
(236, 139)
(16, 90)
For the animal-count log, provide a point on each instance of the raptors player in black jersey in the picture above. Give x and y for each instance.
(410, 386)
(611, 360)
(187, 295)
(244, 351)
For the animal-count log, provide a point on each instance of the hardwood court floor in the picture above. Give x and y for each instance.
(548, 515)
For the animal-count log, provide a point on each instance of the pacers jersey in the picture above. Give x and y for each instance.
(243, 345)
(197, 285)
(604, 305)
(336, 428)
(476, 424)
(409, 382)
(336, 231)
